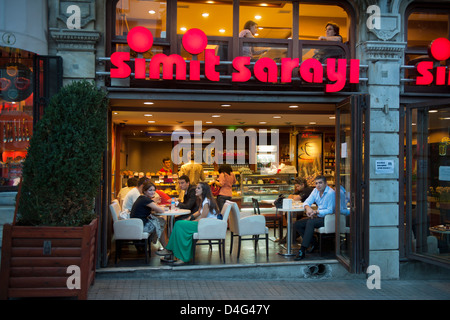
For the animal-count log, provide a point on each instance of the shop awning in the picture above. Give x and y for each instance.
(23, 25)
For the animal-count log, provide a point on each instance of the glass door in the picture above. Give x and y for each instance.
(427, 187)
(351, 175)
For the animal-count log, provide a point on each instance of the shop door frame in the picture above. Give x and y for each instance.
(407, 186)
(356, 261)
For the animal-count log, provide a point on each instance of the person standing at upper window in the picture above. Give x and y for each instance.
(249, 31)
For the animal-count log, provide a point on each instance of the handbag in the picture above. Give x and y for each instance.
(215, 190)
(278, 203)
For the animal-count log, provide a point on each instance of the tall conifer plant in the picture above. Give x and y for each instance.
(62, 170)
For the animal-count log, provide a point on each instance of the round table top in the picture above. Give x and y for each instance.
(292, 209)
(175, 212)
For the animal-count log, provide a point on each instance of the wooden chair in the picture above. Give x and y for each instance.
(276, 218)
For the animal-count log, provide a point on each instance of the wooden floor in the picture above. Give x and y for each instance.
(204, 256)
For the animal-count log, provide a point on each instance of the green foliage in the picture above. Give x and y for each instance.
(62, 170)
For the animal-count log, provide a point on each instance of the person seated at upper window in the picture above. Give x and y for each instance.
(249, 31)
(332, 34)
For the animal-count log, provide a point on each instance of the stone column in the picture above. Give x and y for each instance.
(384, 56)
(75, 42)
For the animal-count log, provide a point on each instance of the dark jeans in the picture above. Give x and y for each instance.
(305, 227)
(221, 201)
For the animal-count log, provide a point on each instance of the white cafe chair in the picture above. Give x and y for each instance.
(329, 227)
(213, 230)
(127, 231)
(253, 225)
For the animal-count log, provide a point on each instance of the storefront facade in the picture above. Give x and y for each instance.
(375, 130)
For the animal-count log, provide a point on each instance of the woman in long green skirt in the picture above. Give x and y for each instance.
(180, 242)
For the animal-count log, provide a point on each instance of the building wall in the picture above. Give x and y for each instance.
(382, 50)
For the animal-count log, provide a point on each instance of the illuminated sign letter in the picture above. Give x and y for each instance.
(311, 70)
(266, 70)
(118, 60)
(287, 65)
(168, 62)
(243, 74)
(339, 76)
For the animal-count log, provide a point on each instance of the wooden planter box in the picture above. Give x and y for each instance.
(35, 260)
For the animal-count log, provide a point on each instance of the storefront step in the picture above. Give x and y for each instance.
(308, 270)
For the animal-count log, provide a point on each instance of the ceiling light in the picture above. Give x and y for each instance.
(183, 29)
(148, 102)
(293, 107)
(262, 122)
(215, 116)
(209, 122)
(432, 111)
(313, 122)
(152, 12)
(148, 115)
(257, 17)
(151, 121)
(225, 105)
(205, 14)
(263, 4)
(210, 2)
(260, 28)
(277, 117)
(222, 30)
(332, 117)
(116, 113)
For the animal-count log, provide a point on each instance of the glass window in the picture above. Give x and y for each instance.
(314, 21)
(274, 20)
(149, 14)
(16, 112)
(314, 18)
(215, 19)
(430, 177)
(424, 27)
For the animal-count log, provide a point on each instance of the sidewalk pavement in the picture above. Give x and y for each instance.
(280, 290)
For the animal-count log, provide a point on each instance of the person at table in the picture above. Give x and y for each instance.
(131, 184)
(143, 208)
(190, 199)
(249, 31)
(180, 242)
(331, 34)
(225, 182)
(324, 197)
(133, 194)
(301, 190)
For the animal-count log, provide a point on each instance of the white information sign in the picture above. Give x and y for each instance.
(444, 173)
(384, 166)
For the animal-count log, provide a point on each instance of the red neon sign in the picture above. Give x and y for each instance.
(195, 41)
(440, 51)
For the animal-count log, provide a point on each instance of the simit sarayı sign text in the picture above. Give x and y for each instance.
(195, 41)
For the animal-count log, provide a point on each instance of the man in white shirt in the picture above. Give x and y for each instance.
(325, 199)
(133, 194)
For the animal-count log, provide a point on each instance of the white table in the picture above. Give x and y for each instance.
(172, 214)
(289, 234)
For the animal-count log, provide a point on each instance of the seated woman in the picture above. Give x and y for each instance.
(142, 209)
(180, 242)
(332, 34)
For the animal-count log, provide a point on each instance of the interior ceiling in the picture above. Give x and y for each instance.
(184, 113)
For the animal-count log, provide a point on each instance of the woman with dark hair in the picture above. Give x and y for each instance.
(142, 209)
(331, 34)
(180, 242)
(225, 182)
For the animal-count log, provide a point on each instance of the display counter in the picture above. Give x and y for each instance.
(265, 187)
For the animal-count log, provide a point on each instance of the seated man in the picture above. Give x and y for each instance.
(324, 197)
(190, 199)
(301, 190)
(133, 194)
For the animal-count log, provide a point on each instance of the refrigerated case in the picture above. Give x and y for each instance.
(265, 187)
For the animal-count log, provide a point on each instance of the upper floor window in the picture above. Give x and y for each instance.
(215, 19)
(314, 18)
(273, 19)
(150, 14)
